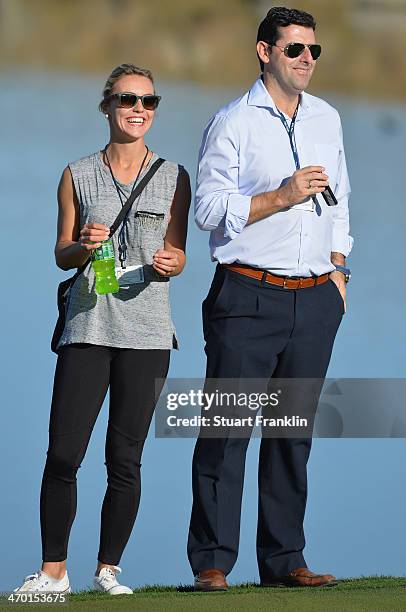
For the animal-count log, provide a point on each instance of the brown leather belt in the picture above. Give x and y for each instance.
(286, 282)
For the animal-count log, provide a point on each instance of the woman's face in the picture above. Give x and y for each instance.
(130, 124)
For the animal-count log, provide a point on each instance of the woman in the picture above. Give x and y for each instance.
(120, 340)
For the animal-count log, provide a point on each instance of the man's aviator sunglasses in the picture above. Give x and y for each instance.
(293, 49)
(129, 100)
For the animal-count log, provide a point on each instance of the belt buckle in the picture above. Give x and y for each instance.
(286, 279)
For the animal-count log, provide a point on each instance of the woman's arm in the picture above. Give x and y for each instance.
(171, 260)
(73, 248)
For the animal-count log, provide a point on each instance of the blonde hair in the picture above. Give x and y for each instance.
(116, 74)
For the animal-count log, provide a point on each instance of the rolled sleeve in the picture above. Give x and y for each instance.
(342, 242)
(218, 203)
(238, 210)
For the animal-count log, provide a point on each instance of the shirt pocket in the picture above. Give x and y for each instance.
(149, 227)
(328, 156)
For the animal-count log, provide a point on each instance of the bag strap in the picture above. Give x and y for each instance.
(137, 191)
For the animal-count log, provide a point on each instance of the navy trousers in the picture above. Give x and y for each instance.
(256, 330)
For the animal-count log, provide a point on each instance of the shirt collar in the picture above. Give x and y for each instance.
(258, 95)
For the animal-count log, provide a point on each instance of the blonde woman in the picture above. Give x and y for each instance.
(119, 341)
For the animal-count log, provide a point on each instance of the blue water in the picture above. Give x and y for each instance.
(355, 516)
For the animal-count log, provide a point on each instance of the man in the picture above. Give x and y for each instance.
(278, 294)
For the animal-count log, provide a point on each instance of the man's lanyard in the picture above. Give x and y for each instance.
(290, 129)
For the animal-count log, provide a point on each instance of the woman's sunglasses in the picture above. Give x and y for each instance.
(295, 49)
(129, 100)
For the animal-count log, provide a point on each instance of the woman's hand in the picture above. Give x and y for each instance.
(166, 263)
(73, 245)
(92, 235)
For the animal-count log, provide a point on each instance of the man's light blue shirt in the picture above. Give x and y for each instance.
(245, 152)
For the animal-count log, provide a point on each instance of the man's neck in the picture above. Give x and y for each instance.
(286, 101)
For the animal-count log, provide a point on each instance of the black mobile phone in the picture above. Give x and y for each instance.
(329, 196)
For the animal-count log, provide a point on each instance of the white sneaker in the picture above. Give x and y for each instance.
(42, 582)
(106, 581)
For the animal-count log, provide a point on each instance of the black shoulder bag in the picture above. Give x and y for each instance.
(65, 286)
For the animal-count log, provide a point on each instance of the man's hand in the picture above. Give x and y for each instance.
(303, 184)
(339, 280)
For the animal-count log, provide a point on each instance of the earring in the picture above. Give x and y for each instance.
(106, 115)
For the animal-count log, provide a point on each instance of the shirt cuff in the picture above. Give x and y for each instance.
(238, 210)
(342, 243)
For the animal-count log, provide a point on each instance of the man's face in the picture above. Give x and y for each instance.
(292, 74)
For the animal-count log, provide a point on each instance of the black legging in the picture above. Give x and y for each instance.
(82, 377)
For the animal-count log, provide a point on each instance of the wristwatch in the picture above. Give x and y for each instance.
(345, 271)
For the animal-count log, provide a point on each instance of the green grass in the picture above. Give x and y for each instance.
(374, 594)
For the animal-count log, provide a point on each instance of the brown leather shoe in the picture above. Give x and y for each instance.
(211, 580)
(302, 577)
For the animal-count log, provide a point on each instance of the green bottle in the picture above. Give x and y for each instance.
(104, 266)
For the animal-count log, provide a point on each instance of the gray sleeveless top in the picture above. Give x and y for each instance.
(139, 315)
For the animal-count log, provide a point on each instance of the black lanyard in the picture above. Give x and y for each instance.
(290, 129)
(122, 245)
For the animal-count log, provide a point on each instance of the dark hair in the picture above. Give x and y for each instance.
(281, 17)
(119, 72)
